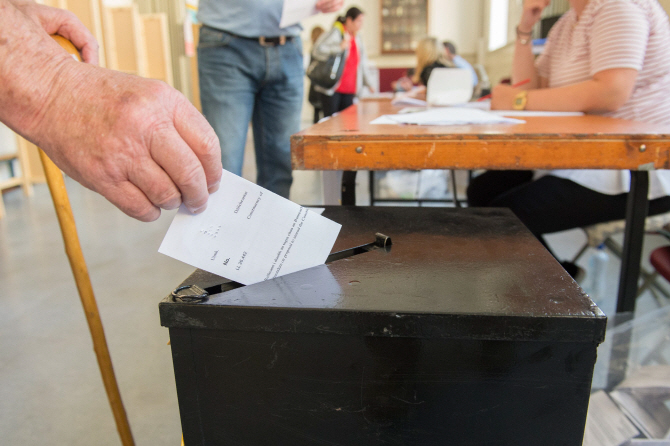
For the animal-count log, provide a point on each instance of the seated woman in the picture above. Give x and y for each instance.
(602, 57)
(430, 54)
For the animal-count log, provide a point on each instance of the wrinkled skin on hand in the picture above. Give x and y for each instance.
(136, 141)
(64, 23)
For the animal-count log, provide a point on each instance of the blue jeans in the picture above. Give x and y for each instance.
(242, 81)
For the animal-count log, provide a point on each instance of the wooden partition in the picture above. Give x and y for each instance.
(155, 43)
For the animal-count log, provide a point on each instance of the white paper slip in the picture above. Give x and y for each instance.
(531, 113)
(317, 210)
(384, 119)
(294, 11)
(452, 116)
(249, 234)
(408, 100)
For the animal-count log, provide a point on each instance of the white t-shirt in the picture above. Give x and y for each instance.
(614, 34)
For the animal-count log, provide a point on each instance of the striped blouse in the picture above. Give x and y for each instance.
(614, 34)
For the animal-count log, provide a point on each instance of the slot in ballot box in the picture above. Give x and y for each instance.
(464, 330)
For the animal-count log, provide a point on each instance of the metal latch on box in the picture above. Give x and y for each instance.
(195, 294)
(381, 242)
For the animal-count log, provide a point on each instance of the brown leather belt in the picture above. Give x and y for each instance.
(262, 40)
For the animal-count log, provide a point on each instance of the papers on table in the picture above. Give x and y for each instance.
(366, 94)
(294, 11)
(249, 234)
(408, 100)
(531, 113)
(446, 116)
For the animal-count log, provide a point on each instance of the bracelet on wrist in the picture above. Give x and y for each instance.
(523, 37)
(518, 31)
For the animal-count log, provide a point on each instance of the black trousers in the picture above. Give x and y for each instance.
(335, 103)
(550, 204)
(318, 114)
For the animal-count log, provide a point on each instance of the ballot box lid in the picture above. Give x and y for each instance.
(449, 273)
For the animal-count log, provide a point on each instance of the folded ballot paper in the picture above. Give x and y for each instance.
(248, 234)
(447, 116)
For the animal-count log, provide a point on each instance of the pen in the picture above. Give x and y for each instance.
(518, 84)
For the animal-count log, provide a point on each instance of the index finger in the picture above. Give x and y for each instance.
(200, 137)
(176, 158)
(66, 24)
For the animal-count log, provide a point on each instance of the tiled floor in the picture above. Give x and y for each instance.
(50, 388)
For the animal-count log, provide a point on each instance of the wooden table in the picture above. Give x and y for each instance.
(349, 142)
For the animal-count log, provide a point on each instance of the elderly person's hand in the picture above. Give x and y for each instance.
(136, 141)
(532, 11)
(64, 23)
(502, 97)
(329, 5)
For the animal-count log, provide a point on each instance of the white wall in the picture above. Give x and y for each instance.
(458, 21)
(455, 20)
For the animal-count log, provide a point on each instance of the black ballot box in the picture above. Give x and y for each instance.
(463, 331)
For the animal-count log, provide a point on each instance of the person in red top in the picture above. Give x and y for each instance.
(343, 37)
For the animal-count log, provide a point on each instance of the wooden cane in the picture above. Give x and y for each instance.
(80, 271)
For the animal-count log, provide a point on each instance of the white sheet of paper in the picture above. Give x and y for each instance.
(384, 119)
(447, 116)
(249, 234)
(294, 11)
(530, 113)
(408, 100)
(605, 424)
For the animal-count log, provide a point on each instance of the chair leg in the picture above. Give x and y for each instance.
(661, 301)
(646, 283)
(647, 277)
(659, 289)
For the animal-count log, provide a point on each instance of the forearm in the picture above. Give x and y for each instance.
(590, 96)
(31, 61)
(524, 66)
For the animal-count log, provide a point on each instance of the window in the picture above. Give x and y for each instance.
(498, 14)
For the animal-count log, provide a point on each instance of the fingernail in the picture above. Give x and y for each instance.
(174, 204)
(198, 210)
(214, 187)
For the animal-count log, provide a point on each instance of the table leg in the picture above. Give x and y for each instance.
(637, 208)
(349, 188)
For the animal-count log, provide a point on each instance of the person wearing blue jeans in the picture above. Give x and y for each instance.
(251, 70)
